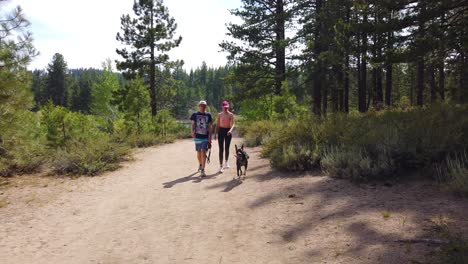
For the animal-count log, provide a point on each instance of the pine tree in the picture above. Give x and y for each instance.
(56, 86)
(102, 91)
(136, 102)
(262, 34)
(149, 35)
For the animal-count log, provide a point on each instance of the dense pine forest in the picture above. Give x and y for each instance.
(359, 89)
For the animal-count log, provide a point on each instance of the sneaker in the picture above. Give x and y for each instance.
(226, 165)
(200, 168)
(221, 169)
(202, 174)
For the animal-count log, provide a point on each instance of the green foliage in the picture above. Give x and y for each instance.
(368, 146)
(88, 158)
(293, 145)
(77, 144)
(57, 89)
(453, 173)
(136, 105)
(165, 124)
(148, 139)
(18, 138)
(254, 133)
(356, 164)
(22, 148)
(273, 107)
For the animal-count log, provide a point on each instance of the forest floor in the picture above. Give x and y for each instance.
(156, 209)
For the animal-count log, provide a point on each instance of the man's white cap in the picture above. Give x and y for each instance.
(202, 103)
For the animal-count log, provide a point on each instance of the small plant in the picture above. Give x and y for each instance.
(386, 214)
(455, 251)
(454, 173)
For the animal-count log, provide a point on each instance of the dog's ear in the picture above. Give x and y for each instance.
(236, 147)
(242, 147)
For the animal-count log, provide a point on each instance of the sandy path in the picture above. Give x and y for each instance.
(155, 210)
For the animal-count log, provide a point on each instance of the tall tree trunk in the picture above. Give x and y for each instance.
(420, 60)
(339, 104)
(388, 84)
(412, 83)
(362, 89)
(346, 85)
(280, 65)
(346, 67)
(389, 68)
(154, 109)
(441, 66)
(463, 82)
(420, 82)
(325, 95)
(432, 83)
(442, 80)
(317, 92)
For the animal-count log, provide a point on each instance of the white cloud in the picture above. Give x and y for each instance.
(84, 31)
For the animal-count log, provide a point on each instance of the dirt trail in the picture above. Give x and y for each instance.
(156, 210)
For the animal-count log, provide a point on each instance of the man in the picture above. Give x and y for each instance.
(201, 133)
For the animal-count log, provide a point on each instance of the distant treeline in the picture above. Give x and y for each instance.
(178, 89)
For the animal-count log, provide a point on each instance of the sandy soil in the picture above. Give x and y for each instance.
(157, 210)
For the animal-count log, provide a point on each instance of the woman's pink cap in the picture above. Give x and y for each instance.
(225, 104)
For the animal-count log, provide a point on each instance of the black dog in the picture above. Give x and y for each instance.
(242, 159)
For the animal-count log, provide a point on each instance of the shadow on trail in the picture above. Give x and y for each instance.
(341, 206)
(180, 180)
(190, 178)
(207, 177)
(228, 186)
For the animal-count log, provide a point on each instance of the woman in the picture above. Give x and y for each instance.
(224, 127)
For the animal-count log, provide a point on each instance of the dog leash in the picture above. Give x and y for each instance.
(209, 154)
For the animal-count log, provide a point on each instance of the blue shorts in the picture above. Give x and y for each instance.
(201, 145)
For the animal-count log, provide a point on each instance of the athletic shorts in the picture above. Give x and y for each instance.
(201, 145)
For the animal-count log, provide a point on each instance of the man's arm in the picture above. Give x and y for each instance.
(193, 129)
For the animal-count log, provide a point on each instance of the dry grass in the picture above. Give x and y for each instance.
(3, 203)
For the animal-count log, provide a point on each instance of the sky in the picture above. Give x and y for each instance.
(84, 31)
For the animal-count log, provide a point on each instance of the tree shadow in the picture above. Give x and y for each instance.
(330, 203)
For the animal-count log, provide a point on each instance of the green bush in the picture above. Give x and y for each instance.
(364, 146)
(21, 149)
(255, 133)
(357, 164)
(77, 144)
(148, 139)
(454, 173)
(88, 159)
(293, 145)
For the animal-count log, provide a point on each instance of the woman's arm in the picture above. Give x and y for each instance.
(233, 123)
(216, 127)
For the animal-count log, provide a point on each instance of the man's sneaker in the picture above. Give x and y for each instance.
(202, 174)
(226, 165)
(221, 169)
(200, 168)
